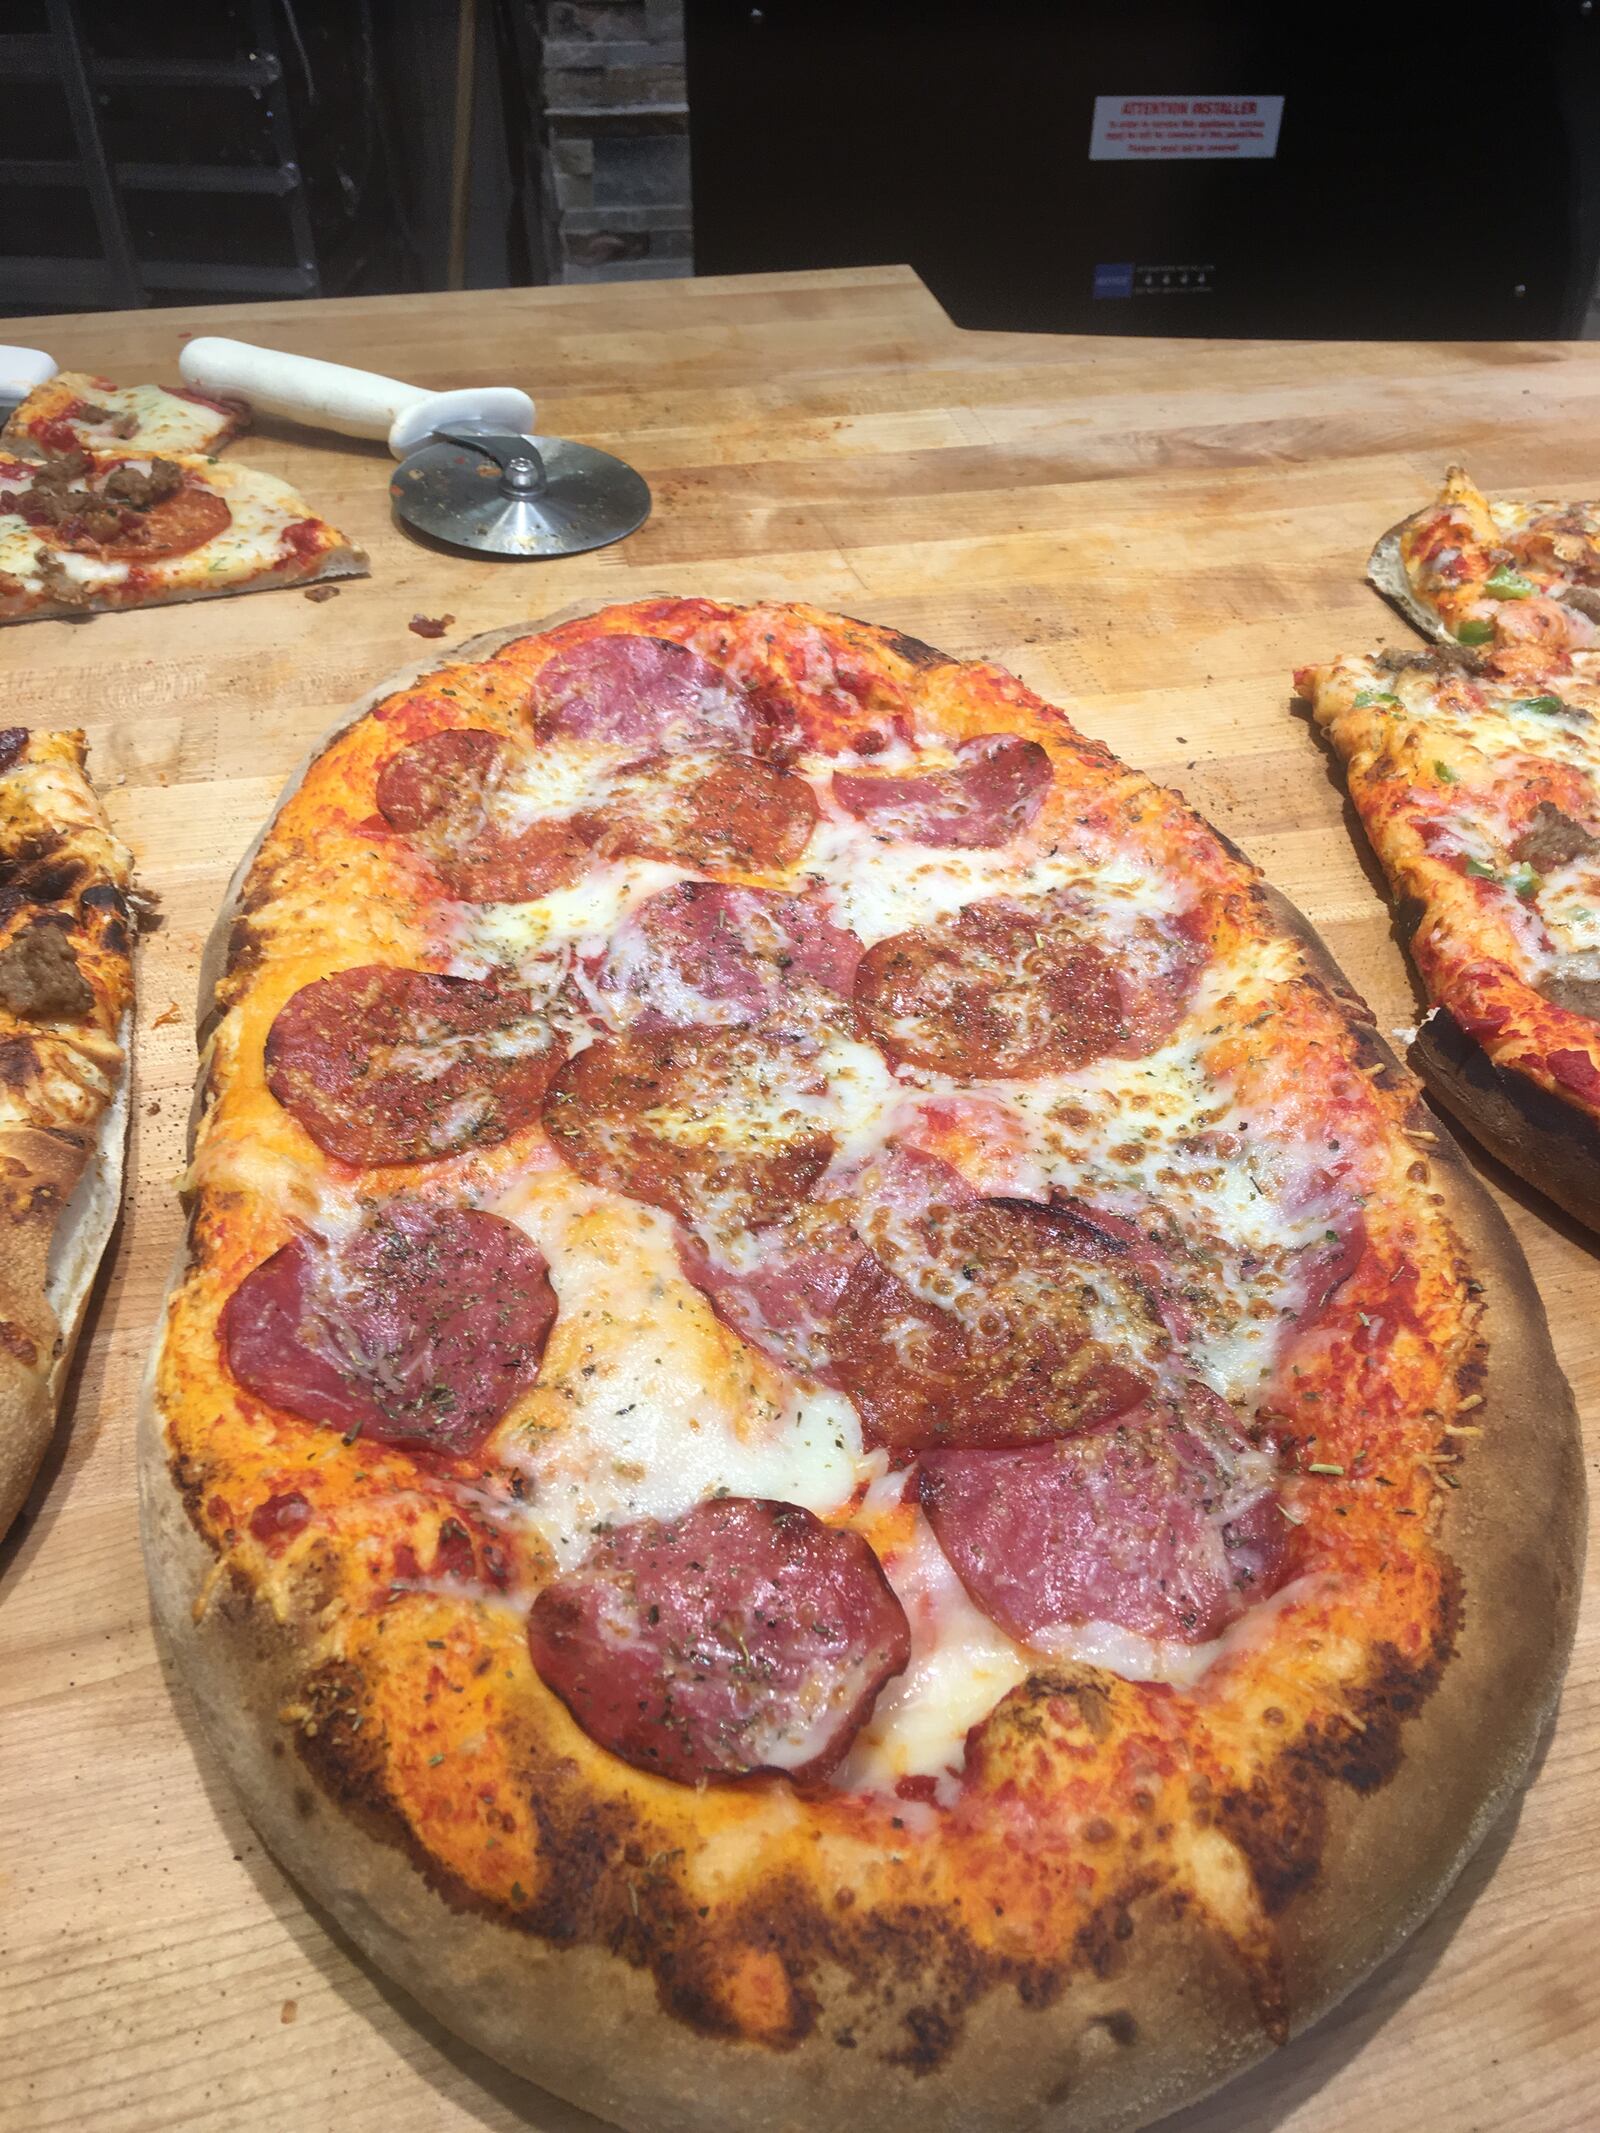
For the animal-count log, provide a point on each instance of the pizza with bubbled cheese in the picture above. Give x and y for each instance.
(833, 1439)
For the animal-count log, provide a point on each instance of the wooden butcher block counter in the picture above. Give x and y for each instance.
(1153, 535)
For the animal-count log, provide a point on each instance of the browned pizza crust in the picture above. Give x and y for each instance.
(345, 561)
(38, 1175)
(61, 1164)
(589, 2027)
(1412, 1810)
(1397, 1800)
(1552, 1144)
(1386, 573)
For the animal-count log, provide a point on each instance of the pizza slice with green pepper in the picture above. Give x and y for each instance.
(1518, 581)
(1480, 791)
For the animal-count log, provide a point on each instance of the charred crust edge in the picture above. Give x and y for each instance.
(1552, 1144)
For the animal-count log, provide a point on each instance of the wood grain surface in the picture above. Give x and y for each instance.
(1152, 535)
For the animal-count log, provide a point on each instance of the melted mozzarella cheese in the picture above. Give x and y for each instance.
(1140, 1658)
(167, 423)
(574, 922)
(1485, 721)
(864, 1098)
(1159, 1134)
(646, 1406)
(89, 570)
(961, 1666)
(880, 887)
(553, 780)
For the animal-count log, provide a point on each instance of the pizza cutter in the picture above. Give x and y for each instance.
(476, 476)
(518, 495)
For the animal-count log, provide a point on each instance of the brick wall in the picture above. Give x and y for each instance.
(615, 171)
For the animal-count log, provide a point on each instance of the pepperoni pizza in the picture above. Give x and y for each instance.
(833, 1442)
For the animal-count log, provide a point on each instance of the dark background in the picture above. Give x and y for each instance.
(188, 152)
(1436, 172)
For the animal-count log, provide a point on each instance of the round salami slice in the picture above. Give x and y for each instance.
(640, 692)
(513, 867)
(382, 1065)
(422, 1328)
(444, 775)
(974, 1321)
(745, 1636)
(437, 790)
(1165, 1522)
(500, 867)
(708, 1124)
(1022, 986)
(991, 794)
(704, 809)
(780, 1289)
(705, 952)
(1027, 1367)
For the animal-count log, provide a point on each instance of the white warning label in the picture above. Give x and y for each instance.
(1193, 129)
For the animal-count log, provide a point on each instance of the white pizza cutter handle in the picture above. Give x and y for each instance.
(21, 369)
(356, 403)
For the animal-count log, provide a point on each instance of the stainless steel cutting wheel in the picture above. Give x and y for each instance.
(518, 496)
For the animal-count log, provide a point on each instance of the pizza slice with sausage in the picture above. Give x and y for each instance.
(66, 998)
(835, 1443)
(1515, 578)
(82, 533)
(1480, 792)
